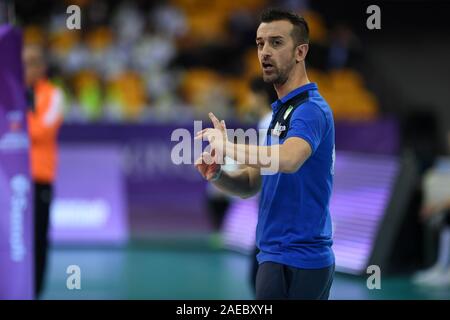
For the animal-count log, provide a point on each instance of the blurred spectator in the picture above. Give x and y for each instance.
(44, 120)
(128, 22)
(344, 49)
(436, 210)
(169, 21)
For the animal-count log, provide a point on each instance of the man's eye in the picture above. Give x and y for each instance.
(276, 43)
(259, 45)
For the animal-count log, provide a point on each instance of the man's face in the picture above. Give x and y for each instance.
(276, 50)
(34, 65)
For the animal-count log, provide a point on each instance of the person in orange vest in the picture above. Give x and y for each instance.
(44, 120)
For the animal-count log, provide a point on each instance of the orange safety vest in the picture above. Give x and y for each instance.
(43, 125)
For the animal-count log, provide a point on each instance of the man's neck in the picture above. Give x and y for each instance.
(294, 81)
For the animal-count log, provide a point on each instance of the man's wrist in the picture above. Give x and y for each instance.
(228, 150)
(217, 175)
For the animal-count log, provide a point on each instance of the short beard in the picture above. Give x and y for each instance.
(281, 76)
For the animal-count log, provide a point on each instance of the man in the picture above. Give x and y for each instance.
(44, 120)
(294, 225)
(436, 212)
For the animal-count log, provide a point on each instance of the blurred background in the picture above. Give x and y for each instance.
(140, 227)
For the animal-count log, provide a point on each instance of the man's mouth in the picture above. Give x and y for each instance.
(267, 66)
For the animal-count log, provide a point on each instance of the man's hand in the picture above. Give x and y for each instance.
(216, 137)
(206, 165)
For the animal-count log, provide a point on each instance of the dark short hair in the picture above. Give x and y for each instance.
(300, 31)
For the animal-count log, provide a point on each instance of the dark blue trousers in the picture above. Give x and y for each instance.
(278, 281)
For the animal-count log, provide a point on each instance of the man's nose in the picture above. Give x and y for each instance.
(265, 56)
(265, 52)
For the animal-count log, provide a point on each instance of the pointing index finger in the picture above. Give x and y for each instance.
(214, 120)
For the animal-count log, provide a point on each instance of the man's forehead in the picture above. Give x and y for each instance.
(274, 29)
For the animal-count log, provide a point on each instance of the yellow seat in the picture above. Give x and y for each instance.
(240, 90)
(346, 79)
(207, 27)
(346, 94)
(321, 78)
(127, 95)
(99, 38)
(64, 41)
(88, 93)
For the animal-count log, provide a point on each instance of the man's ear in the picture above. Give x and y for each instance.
(301, 51)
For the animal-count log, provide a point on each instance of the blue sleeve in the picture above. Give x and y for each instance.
(309, 123)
